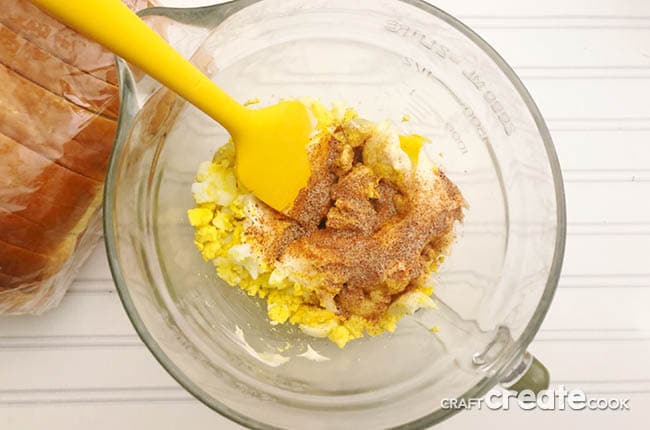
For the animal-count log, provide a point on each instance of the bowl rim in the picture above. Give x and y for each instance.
(480, 389)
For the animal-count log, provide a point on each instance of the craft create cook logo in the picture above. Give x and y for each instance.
(555, 399)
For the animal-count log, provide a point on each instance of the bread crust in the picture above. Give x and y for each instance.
(20, 231)
(62, 79)
(58, 109)
(62, 42)
(40, 191)
(46, 123)
(25, 266)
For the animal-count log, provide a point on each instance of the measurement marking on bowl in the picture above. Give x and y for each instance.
(454, 134)
(467, 111)
(491, 99)
(476, 123)
(456, 137)
(424, 40)
(442, 51)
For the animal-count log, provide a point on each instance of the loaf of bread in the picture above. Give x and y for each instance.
(58, 113)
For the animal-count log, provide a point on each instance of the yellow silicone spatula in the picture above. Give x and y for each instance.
(270, 143)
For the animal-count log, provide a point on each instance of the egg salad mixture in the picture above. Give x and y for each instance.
(353, 254)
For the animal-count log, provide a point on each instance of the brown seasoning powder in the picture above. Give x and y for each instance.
(369, 239)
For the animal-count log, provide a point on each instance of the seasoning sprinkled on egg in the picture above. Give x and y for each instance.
(355, 252)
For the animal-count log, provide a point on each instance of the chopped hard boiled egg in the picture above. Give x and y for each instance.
(226, 216)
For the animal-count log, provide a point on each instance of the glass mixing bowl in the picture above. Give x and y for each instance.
(386, 58)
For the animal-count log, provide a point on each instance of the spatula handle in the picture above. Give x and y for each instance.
(114, 26)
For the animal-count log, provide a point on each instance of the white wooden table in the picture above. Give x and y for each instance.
(587, 64)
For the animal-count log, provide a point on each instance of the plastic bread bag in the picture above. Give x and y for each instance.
(58, 118)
